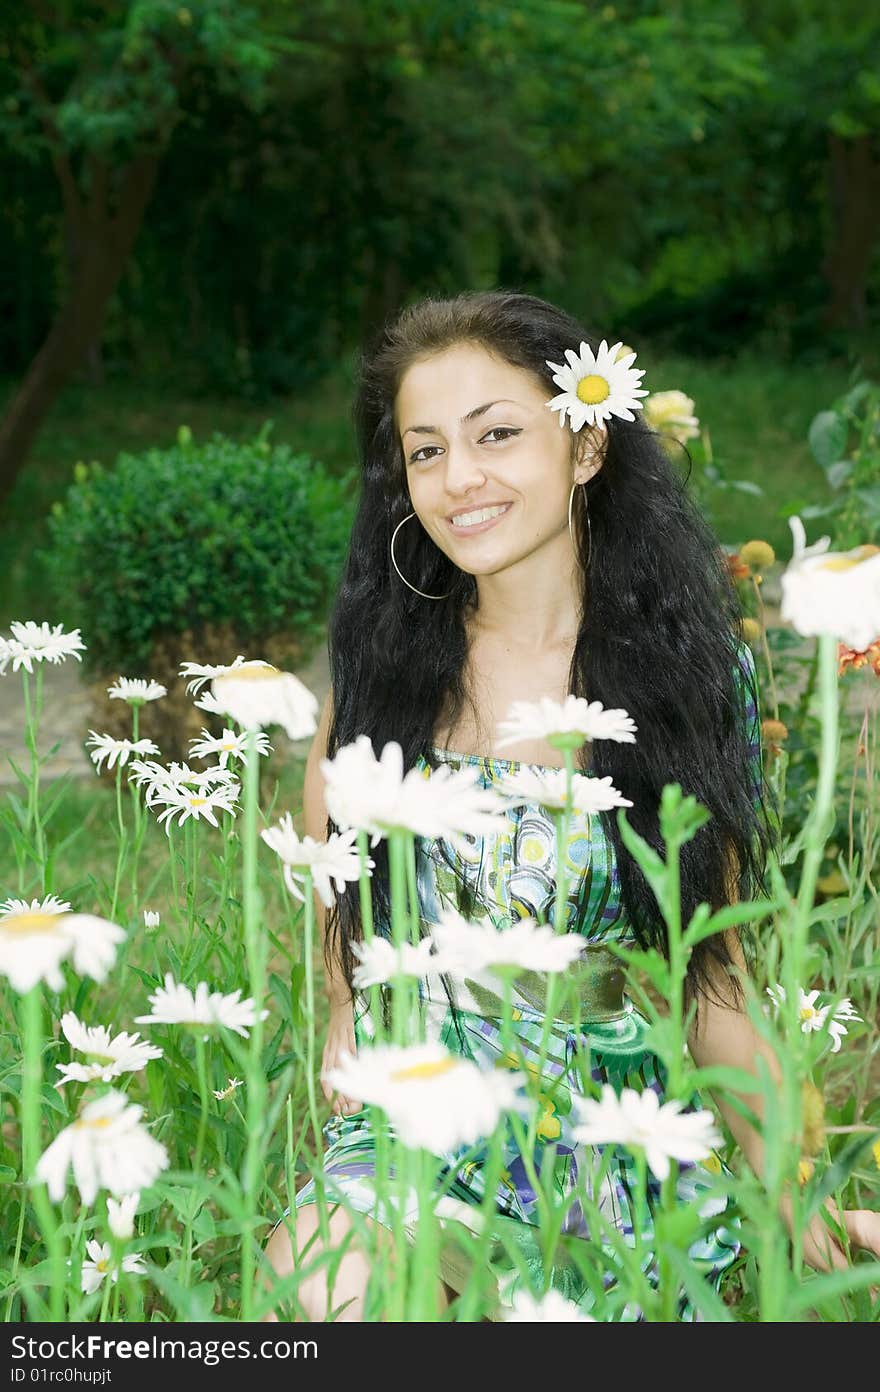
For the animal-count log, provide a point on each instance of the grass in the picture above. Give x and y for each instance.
(757, 410)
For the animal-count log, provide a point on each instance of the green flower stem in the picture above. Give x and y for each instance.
(202, 1075)
(22, 1209)
(400, 1156)
(32, 1077)
(105, 1294)
(366, 906)
(309, 963)
(137, 814)
(32, 726)
(256, 1081)
(122, 845)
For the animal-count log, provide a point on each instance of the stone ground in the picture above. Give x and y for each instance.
(65, 710)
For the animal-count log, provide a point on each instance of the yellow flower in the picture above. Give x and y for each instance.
(672, 413)
(875, 1151)
(712, 1163)
(773, 731)
(806, 1170)
(832, 883)
(757, 555)
(751, 630)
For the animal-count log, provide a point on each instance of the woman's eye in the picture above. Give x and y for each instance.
(418, 456)
(500, 430)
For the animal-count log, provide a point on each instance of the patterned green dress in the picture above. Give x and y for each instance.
(512, 875)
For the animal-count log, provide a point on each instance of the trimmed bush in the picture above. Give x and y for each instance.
(244, 536)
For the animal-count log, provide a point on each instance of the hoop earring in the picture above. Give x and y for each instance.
(587, 515)
(397, 567)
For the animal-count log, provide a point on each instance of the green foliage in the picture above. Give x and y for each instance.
(246, 535)
(845, 441)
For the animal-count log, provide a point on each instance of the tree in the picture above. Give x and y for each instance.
(98, 87)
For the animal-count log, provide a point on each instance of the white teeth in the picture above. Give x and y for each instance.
(470, 519)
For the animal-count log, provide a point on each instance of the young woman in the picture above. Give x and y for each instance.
(497, 557)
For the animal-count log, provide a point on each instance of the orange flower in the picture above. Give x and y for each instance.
(854, 658)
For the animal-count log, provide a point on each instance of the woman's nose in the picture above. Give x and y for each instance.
(464, 468)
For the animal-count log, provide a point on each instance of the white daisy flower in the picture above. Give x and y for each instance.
(381, 961)
(136, 690)
(526, 945)
(814, 1017)
(151, 918)
(205, 1011)
(551, 1308)
(334, 860)
(31, 642)
(547, 719)
(209, 703)
(120, 1215)
(107, 1147)
(106, 747)
(836, 1028)
(590, 795)
(672, 413)
(836, 592)
(256, 694)
(157, 780)
(227, 745)
(374, 795)
(232, 1086)
(50, 905)
(636, 1120)
(595, 386)
(101, 1265)
(434, 1099)
(107, 1057)
(34, 943)
(186, 802)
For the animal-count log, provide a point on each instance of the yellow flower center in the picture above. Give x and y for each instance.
(255, 674)
(432, 1068)
(197, 801)
(592, 389)
(229, 744)
(96, 1124)
(100, 1058)
(103, 1266)
(31, 923)
(808, 1012)
(856, 557)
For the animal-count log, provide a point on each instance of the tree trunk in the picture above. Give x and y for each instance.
(854, 176)
(104, 244)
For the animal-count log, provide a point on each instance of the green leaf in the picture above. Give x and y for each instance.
(827, 438)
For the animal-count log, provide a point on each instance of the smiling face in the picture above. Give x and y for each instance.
(477, 435)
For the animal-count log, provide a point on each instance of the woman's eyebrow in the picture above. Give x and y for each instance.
(471, 415)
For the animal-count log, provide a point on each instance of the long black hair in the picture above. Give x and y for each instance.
(659, 634)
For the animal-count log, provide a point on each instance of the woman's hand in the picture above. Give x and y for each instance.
(822, 1249)
(340, 1038)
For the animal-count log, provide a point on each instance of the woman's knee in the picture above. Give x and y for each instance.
(351, 1270)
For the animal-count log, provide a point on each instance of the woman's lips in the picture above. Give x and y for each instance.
(478, 526)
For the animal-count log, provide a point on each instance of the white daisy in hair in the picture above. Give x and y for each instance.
(331, 862)
(380, 961)
(375, 795)
(558, 721)
(525, 946)
(107, 1147)
(108, 1056)
(100, 1265)
(136, 691)
(183, 803)
(549, 1308)
(50, 905)
(596, 386)
(434, 1099)
(120, 1215)
(637, 1121)
(34, 943)
(547, 787)
(117, 750)
(32, 642)
(256, 694)
(836, 592)
(227, 745)
(202, 1010)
